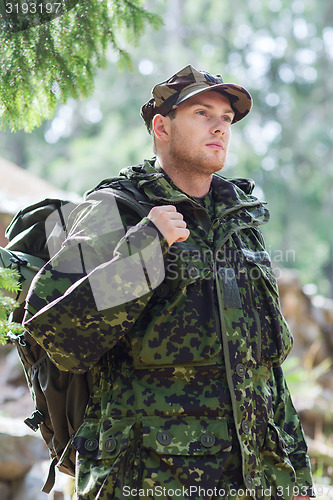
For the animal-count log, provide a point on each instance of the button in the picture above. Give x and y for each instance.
(164, 437)
(207, 440)
(193, 271)
(246, 427)
(248, 481)
(110, 444)
(91, 444)
(240, 370)
(162, 290)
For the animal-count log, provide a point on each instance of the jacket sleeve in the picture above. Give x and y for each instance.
(90, 294)
(287, 419)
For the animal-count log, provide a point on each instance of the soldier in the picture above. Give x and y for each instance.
(176, 316)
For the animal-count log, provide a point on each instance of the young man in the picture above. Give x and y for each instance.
(184, 339)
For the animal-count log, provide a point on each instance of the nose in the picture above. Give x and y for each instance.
(219, 127)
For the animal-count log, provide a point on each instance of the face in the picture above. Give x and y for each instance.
(199, 134)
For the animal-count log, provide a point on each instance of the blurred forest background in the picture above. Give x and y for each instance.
(282, 51)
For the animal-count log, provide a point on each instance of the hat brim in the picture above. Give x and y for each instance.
(240, 99)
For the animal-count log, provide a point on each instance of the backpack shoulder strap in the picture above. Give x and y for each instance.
(127, 194)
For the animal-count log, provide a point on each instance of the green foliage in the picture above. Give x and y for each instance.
(303, 379)
(8, 286)
(57, 60)
(281, 51)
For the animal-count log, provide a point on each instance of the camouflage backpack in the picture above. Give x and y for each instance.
(60, 398)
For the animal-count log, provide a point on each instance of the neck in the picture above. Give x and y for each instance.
(192, 183)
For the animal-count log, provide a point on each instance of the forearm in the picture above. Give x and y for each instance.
(77, 328)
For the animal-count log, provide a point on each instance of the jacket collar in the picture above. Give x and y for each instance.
(158, 187)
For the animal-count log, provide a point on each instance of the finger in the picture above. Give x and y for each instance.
(166, 208)
(179, 223)
(165, 213)
(158, 211)
(175, 217)
(184, 236)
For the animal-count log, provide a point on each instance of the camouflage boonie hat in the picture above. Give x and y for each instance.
(187, 83)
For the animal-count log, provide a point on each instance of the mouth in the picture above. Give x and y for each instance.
(215, 145)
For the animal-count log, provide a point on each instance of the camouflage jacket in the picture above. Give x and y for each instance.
(185, 347)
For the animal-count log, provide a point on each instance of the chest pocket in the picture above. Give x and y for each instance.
(276, 339)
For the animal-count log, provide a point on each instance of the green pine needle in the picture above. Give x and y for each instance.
(9, 280)
(8, 285)
(58, 60)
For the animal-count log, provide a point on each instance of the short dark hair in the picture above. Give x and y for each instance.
(172, 114)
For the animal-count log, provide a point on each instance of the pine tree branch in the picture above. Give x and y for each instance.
(8, 284)
(43, 64)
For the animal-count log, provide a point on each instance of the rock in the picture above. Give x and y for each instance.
(323, 314)
(20, 448)
(297, 309)
(14, 373)
(30, 487)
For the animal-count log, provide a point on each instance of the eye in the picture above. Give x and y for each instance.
(227, 118)
(202, 112)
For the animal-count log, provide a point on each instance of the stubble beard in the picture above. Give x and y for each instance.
(191, 163)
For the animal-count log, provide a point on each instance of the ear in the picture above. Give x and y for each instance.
(161, 127)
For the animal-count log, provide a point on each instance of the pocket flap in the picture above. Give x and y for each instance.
(186, 436)
(263, 263)
(103, 439)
